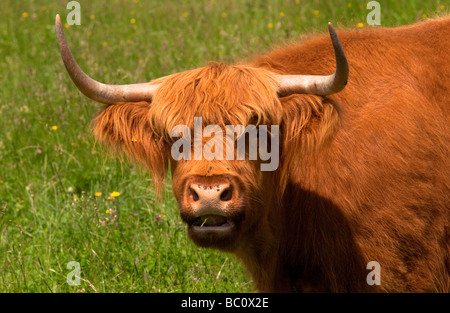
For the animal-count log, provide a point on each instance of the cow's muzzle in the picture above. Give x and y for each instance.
(211, 210)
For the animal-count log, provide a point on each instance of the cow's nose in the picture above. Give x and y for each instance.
(210, 196)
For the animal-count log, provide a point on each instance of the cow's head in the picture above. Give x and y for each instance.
(221, 199)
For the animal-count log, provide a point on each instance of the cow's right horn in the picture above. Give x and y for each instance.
(317, 84)
(95, 90)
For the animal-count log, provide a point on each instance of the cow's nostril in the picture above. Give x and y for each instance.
(194, 195)
(226, 195)
(210, 194)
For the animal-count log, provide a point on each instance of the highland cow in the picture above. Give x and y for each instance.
(364, 156)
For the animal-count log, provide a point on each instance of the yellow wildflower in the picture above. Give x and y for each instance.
(316, 13)
(360, 25)
(270, 25)
(281, 14)
(132, 21)
(54, 127)
(115, 194)
(97, 193)
(107, 211)
(25, 14)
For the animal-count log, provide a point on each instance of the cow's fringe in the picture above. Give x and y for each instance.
(124, 127)
(220, 94)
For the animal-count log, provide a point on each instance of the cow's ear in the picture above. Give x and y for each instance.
(125, 128)
(308, 122)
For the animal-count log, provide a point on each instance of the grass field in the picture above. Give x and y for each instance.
(61, 198)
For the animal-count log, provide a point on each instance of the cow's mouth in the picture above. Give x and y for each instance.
(212, 223)
(214, 230)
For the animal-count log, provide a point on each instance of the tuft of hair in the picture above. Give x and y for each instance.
(124, 127)
(220, 94)
(309, 124)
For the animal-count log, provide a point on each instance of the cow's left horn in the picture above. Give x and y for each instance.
(317, 84)
(95, 90)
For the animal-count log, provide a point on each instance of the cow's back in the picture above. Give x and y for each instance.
(387, 168)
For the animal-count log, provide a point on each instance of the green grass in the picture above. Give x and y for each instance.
(49, 213)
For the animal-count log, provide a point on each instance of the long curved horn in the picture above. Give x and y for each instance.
(317, 84)
(95, 90)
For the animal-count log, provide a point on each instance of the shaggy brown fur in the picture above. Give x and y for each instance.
(364, 173)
